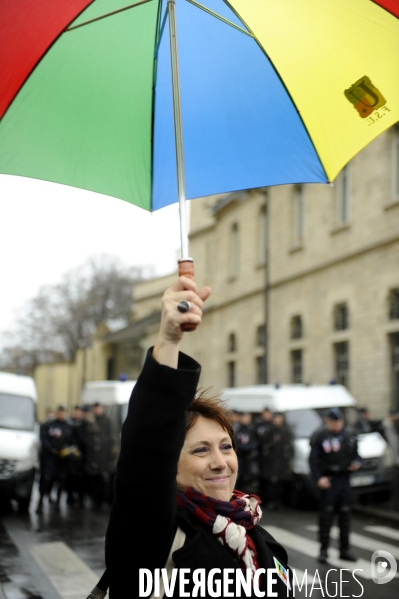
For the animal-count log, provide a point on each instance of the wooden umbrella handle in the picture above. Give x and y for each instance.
(186, 269)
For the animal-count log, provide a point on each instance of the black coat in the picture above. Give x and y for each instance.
(144, 516)
(55, 435)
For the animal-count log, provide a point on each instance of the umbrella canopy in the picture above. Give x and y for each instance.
(272, 92)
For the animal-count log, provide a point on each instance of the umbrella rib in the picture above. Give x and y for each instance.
(109, 14)
(215, 14)
(160, 33)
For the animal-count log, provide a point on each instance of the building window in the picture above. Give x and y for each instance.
(341, 351)
(341, 317)
(262, 234)
(395, 156)
(110, 369)
(232, 344)
(299, 214)
(260, 370)
(261, 336)
(231, 374)
(296, 327)
(395, 369)
(234, 250)
(394, 304)
(296, 366)
(343, 195)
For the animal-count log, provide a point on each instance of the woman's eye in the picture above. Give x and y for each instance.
(200, 450)
(226, 447)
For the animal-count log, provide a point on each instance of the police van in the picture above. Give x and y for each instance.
(305, 407)
(19, 438)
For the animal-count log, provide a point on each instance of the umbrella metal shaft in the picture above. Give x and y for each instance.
(181, 186)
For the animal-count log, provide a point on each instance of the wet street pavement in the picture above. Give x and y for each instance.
(24, 574)
(60, 555)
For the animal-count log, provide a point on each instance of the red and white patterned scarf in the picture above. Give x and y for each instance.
(228, 520)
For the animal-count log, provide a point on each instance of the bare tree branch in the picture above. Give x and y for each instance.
(65, 316)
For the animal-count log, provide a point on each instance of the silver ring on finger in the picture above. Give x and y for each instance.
(183, 306)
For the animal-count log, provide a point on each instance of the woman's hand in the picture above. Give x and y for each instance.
(166, 349)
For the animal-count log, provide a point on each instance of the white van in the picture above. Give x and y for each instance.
(305, 407)
(109, 394)
(19, 438)
(114, 396)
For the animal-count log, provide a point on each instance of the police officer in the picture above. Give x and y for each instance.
(332, 458)
(263, 426)
(276, 457)
(98, 454)
(247, 447)
(264, 422)
(55, 435)
(75, 477)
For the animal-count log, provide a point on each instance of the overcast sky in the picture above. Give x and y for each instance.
(47, 229)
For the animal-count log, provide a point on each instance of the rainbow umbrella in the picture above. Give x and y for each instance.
(94, 94)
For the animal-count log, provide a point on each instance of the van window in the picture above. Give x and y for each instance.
(16, 412)
(304, 422)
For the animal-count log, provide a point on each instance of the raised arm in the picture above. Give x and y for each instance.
(144, 510)
(166, 349)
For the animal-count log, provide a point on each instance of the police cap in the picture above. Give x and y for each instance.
(335, 414)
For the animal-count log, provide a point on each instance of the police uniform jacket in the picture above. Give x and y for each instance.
(55, 435)
(144, 516)
(332, 453)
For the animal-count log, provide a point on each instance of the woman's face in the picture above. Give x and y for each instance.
(208, 462)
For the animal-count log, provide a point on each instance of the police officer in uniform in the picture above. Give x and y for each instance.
(276, 456)
(247, 447)
(98, 454)
(75, 478)
(263, 426)
(55, 436)
(332, 458)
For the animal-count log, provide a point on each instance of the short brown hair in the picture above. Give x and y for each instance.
(213, 408)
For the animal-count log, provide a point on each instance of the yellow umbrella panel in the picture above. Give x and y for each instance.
(339, 61)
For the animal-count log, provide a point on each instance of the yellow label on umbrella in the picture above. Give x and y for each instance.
(365, 96)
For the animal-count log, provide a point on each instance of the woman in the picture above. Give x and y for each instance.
(177, 469)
